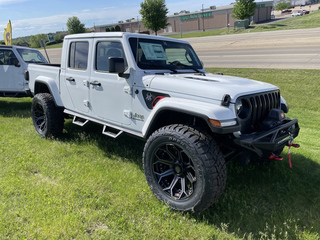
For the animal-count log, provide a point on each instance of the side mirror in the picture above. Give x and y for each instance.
(15, 62)
(116, 65)
(26, 75)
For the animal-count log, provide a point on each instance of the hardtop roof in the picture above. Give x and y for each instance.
(120, 35)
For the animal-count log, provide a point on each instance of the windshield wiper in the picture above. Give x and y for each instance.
(157, 65)
(177, 63)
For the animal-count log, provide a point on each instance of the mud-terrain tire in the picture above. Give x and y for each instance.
(47, 118)
(184, 168)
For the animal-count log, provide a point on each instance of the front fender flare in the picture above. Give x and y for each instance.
(203, 110)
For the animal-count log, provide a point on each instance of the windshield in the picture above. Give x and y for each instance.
(31, 56)
(160, 54)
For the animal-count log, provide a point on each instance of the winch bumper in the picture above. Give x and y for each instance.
(266, 142)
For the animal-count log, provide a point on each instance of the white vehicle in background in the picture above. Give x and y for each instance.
(14, 62)
(297, 13)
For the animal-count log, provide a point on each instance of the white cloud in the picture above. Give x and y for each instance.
(7, 2)
(33, 26)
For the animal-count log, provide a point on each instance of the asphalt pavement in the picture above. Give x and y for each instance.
(287, 49)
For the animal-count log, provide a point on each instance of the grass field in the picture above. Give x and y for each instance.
(88, 186)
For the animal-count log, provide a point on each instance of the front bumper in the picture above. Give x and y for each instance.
(264, 143)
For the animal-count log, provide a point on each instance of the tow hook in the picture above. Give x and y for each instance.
(279, 158)
(275, 157)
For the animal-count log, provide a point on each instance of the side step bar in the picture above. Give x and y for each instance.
(79, 121)
(114, 133)
(108, 129)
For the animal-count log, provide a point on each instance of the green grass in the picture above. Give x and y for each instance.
(88, 186)
(58, 45)
(311, 20)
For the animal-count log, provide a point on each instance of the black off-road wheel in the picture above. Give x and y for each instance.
(184, 168)
(47, 118)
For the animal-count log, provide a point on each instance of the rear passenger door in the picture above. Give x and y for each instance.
(76, 76)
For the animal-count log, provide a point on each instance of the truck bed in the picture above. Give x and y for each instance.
(44, 73)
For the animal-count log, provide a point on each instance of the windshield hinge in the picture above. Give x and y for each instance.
(127, 113)
(128, 90)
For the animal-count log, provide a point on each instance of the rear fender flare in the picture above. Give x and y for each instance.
(52, 87)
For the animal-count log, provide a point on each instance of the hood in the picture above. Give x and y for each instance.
(211, 86)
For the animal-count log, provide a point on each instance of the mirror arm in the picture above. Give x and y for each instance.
(124, 75)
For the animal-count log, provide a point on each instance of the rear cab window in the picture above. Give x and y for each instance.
(78, 55)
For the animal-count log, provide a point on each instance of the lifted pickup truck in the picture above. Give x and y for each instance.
(14, 62)
(157, 89)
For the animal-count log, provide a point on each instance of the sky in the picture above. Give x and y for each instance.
(32, 17)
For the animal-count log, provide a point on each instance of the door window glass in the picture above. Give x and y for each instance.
(7, 57)
(78, 56)
(104, 51)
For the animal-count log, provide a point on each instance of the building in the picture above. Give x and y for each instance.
(209, 18)
(297, 2)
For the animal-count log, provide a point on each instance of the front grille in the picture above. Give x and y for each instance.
(261, 104)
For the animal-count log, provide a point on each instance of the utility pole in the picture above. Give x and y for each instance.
(138, 23)
(202, 19)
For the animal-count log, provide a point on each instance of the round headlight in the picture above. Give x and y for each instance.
(238, 105)
(243, 108)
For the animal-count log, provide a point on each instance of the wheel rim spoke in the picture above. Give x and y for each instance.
(173, 152)
(173, 183)
(159, 159)
(39, 117)
(191, 178)
(42, 125)
(174, 171)
(183, 187)
(165, 174)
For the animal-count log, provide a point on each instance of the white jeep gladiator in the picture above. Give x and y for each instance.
(14, 62)
(156, 88)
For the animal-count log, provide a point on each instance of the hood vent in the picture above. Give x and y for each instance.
(202, 79)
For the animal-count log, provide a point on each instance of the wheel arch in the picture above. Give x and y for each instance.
(41, 86)
(168, 116)
(190, 112)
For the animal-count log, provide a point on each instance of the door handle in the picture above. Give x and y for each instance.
(70, 79)
(95, 83)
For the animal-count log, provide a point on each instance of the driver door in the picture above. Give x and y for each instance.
(109, 93)
(11, 72)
